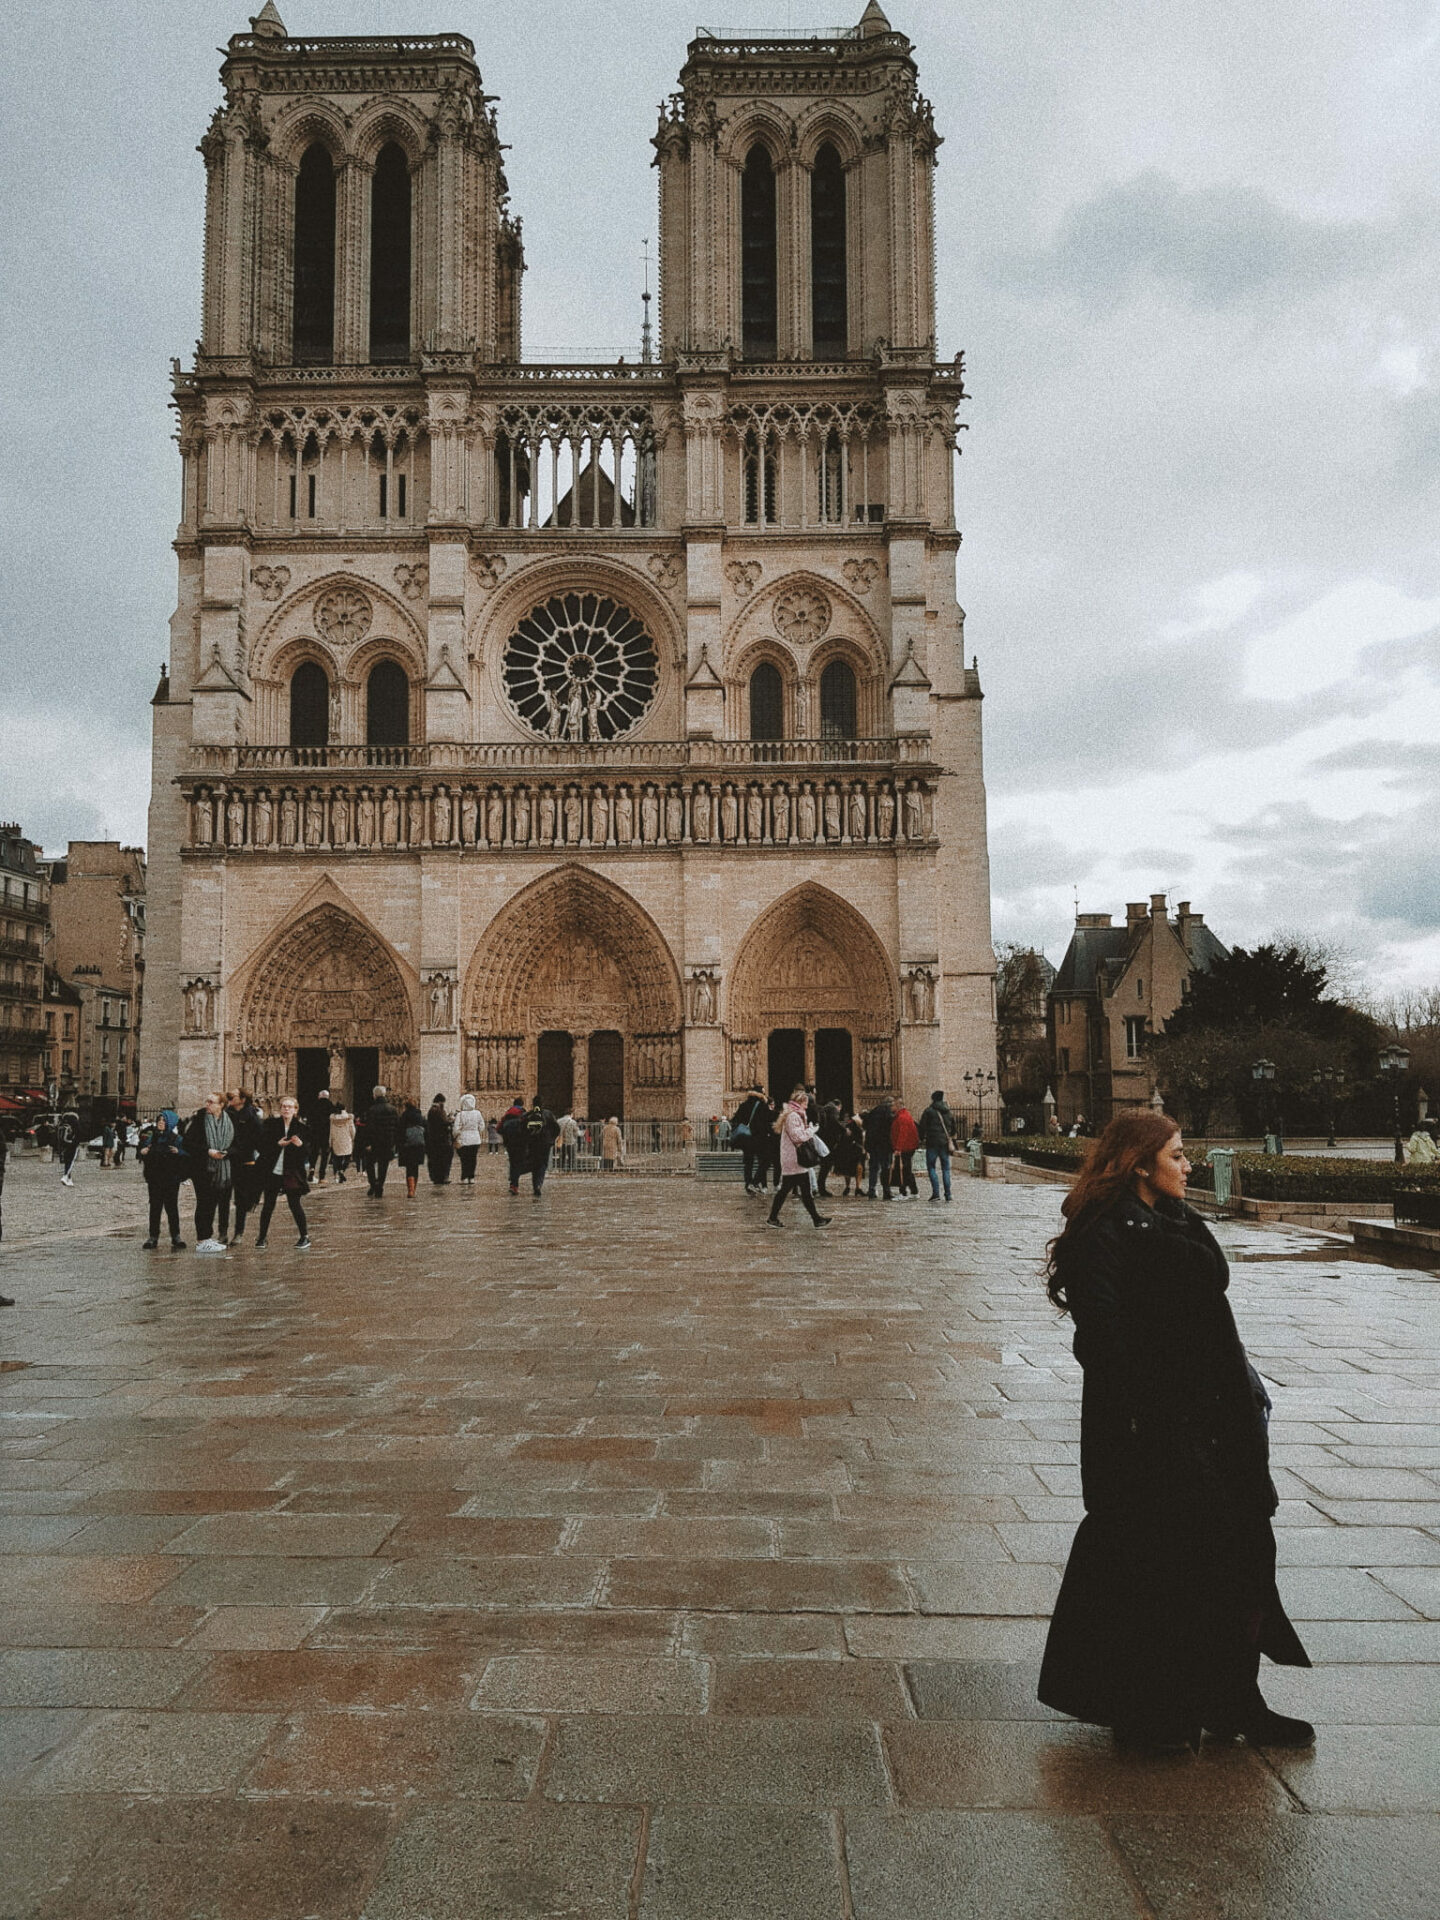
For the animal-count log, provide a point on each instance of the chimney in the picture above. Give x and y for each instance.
(1092, 920)
(1134, 912)
(1157, 906)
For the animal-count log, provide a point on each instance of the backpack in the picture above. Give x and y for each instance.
(535, 1126)
(414, 1136)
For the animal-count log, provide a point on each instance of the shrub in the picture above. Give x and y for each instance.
(1291, 1176)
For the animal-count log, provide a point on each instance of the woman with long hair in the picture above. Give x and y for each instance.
(1169, 1598)
(285, 1165)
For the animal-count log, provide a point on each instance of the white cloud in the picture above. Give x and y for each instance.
(1322, 645)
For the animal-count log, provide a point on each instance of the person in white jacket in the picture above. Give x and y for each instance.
(469, 1138)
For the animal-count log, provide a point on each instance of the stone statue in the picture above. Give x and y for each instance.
(780, 813)
(599, 817)
(805, 822)
(914, 812)
(885, 813)
(469, 817)
(495, 818)
(415, 814)
(624, 818)
(196, 1003)
(262, 820)
(832, 812)
(204, 819)
(703, 1000)
(289, 818)
(365, 819)
(340, 819)
(649, 815)
(729, 815)
(857, 813)
(314, 818)
(235, 821)
(520, 817)
(754, 816)
(674, 816)
(700, 813)
(574, 817)
(442, 992)
(442, 816)
(547, 817)
(389, 819)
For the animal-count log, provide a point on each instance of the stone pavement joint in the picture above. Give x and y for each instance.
(615, 1557)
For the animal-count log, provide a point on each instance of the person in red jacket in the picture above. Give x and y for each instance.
(904, 1139)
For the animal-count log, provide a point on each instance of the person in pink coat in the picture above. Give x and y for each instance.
(796, 1133)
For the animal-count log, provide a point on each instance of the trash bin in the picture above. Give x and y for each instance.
(976, 1156)
(1222, 1162)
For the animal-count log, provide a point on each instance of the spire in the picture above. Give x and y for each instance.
(647, 339)
(267, 24)
(873, 21)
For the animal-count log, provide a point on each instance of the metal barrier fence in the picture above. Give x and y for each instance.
(669, 1146)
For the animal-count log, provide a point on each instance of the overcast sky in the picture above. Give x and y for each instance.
(1192, 254)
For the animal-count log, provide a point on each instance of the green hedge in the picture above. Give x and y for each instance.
(1263, 1176)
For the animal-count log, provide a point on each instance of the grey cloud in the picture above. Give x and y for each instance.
(1378, 872)
(1210, 246)
(1396, 763)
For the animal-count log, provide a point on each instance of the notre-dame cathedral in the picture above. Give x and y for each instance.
(601, 728)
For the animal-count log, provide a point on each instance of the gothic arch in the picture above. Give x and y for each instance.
(293, 132)
(573, 953)
(848, 634)
(829, 120)
(392, 120)
(291, 635)
(756, 619)
(758, 121)
(762, 648)
(327, 980)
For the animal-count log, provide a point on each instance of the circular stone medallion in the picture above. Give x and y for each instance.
(580, 666)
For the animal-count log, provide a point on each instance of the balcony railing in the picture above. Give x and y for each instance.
(562, 756)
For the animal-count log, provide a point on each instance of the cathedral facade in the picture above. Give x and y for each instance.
(597, 728)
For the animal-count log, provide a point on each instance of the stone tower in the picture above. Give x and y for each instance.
(600, 728)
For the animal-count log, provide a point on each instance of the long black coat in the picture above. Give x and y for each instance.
(1169, 1597)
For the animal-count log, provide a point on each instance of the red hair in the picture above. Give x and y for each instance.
(1131, 1141)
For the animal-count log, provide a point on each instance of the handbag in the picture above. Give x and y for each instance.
(740, 1131)
(807, 1154)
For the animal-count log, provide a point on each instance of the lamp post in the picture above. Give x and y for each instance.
(1394, 1060)
(978, 1084)
(1329, 1083)
(1263, 1074)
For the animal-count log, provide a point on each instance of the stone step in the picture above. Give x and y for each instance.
(719, 1166)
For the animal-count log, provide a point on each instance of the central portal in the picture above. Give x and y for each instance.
(555, 1071)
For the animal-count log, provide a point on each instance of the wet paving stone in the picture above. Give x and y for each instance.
(616, 1557)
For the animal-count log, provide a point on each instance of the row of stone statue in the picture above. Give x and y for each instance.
(728, 813)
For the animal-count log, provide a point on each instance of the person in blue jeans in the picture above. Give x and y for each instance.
(937, 1135)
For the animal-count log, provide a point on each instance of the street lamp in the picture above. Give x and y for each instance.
(1394, 1061)
(978, 1084)
(1263, 1073)
(1329, 1084)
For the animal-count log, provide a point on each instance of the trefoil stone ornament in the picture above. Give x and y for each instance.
(413, 581)
(270, 582)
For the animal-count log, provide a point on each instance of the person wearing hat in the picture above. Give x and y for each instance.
(937, 1135)
(162, 1156)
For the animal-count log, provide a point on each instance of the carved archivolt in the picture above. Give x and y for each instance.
(572, 952)
(327, 981)
(811, 961)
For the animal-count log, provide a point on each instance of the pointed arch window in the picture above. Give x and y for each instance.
(758, 301)
(390, 256)
(827, 255)
(387, 705)
(760, 501)
(313, 342)
(309, 706)
(838, 702)
(767, 703)
(832, 471)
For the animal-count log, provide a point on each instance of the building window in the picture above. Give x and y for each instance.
(68, 1018)
(832, 471)
(50, 1025)
(1139, 988)
(1134, 1035)
(399, 496)
(758, 257)
(309, 706)
(827, 254)
(837, 702)
(387, 706)
(67, 1060)
(767, 703)
(760, 505)
(104, 1084)
(1063, 1056)
(314, 318)
(390, 256)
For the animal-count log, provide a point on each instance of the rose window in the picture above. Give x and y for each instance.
(581, 667)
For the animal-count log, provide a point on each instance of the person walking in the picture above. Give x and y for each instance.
(541, 1131)
(569, 1142)
(439, 1143)
(382, 1126)
(285, 1163)
(937, 1135)
(162, 1160)
(612, 1146)
(798, 1154)
(877, 1124)
(342, 1141)
(750, 1131)
(209, 1139)
(411, 1152)
(469, 1137)
(122, 1140)
(67, 1144)
(831, 1132)
(512, 1135)
(317, 1133)
(245, 1160)
(905, 1139)
(849, 1156)
(1169, 1597)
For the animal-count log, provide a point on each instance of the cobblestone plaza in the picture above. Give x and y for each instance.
(614, 1557)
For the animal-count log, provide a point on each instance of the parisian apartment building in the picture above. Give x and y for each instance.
(24, 935)
(97, 956)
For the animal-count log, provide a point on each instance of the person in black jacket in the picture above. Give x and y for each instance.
(750, 1131)
(162, 1157)
(284, 1166)
(245, 1161)
(878, 1148)
(541, 1130)
(937, 1136)
(1169, 1597)
(209, 1144)
(317, 1129)
(382, 1128)
(439, 1142)
(517, 1151)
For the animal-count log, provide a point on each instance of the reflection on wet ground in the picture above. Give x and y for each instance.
(613, 1556)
